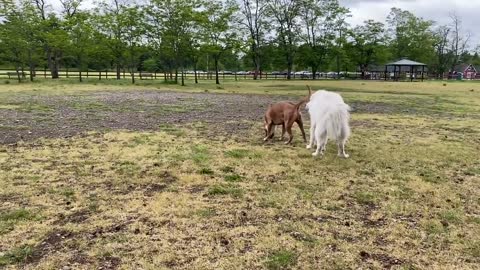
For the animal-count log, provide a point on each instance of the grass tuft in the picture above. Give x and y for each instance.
(225, 190)
(282, 259)
(206, 171)
(233, 178)
(16, 255)
(200, 154)
(238, 153)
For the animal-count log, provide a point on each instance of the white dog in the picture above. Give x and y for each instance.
(329, 117)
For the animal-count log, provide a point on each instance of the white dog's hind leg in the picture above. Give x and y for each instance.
(341, 149)
(324, 146)
(312, 135)
(321, 138)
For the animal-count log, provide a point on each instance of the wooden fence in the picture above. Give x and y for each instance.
(108, 74)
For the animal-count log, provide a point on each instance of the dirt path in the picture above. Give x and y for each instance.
(29, 117)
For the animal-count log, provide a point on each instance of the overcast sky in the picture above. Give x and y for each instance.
(436, 10)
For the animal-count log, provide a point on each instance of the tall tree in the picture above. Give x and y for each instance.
(81, 33)
(255, 21)
(21, 28)
(459, 40)
(108, 16)
(12, 42)
(368, 44)
(321, 20)
(218, 33)
(442, 50)
(410, 36)
(285, 14)
(174, 23)
(51, 35)
(133, 32)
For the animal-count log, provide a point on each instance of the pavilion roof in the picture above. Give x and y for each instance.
(405, 62)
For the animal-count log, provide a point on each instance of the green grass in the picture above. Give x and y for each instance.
(9, 219)
(282, 259)
(237, 153)
(206, 171)
(17, 255)
(216, 190)
(200, 154)
(232, 178)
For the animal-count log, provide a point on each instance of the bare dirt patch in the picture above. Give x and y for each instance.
(75, 217)
(65, 116)
(51, 243)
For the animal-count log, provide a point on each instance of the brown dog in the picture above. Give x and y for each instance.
(285, 114)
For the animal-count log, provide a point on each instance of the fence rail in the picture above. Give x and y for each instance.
(11, 74)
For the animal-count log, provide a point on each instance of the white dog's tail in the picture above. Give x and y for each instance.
(338, 127)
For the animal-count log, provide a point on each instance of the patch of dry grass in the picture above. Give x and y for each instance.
(408, 198)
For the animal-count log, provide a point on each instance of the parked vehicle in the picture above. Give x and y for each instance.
(306, 75)
(226, 72)
(303, 74)
(242, 72)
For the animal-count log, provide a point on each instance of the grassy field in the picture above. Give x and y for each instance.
(202, 193)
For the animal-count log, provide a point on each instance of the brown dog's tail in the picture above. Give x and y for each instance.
(309, 92)
(305, 100)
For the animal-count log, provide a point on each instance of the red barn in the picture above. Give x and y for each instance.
(470, 72)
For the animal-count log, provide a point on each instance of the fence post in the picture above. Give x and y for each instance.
(100, 75)
(155, 75)
(67, 73)
(45, 73)
(87, 73)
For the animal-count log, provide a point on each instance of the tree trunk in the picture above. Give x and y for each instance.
(49, 60)
(52, 64)
(256, 62)
(176, 75)
(338, 67)
(18, 74)
(23, 72)
(216, 70)
(56, 63)
(80, 75)
(289, 71)
(195, 71)
(118, 69)
(133, 76)
(183, 79)
(289, 65)
(31, 65)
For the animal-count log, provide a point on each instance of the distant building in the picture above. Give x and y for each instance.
(469, 71)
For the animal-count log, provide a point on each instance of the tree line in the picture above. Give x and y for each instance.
(171, 36)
